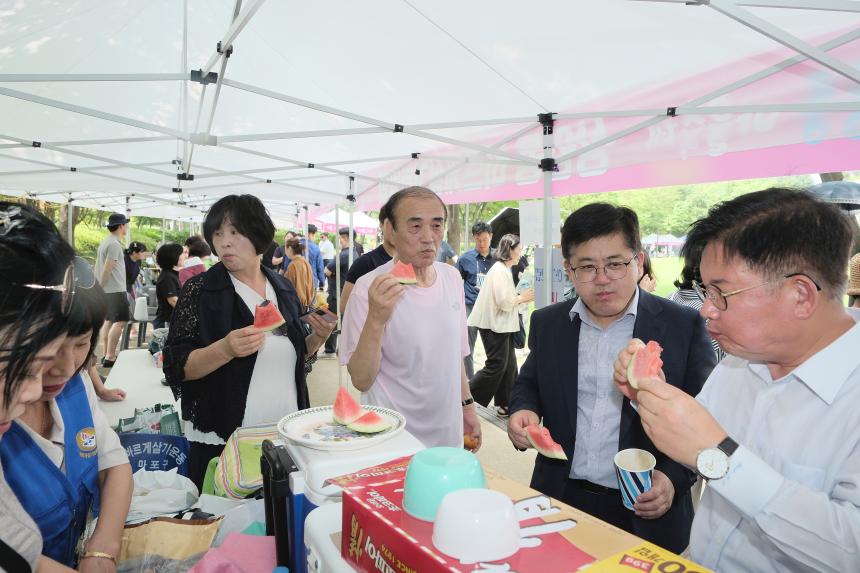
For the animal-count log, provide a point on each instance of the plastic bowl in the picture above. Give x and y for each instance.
(477, 525)
(435, 472)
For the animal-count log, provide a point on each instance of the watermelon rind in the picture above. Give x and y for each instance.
(267, 317)
(404, 273)
(648, 350)
(369, 423)
(540, 438)
(346, 410)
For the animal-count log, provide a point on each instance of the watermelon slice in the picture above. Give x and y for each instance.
(645, 363)
(346, 409)
(267, 316)
(404, 273)
(540, 438)
(369, 423)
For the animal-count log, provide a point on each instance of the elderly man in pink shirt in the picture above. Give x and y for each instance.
(404, 345)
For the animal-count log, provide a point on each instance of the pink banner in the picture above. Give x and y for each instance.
(671, 150)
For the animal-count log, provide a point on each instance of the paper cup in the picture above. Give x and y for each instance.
(633, 469)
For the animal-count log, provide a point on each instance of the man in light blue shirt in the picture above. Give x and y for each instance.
(776, 429)
(315, 257)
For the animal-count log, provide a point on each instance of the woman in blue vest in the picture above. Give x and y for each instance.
(36, 280)
(63, 460)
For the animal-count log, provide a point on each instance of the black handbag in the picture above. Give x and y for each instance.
(519, 338)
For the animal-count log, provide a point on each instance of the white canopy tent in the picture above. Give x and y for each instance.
(157, 104)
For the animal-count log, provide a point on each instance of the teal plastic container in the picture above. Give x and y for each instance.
(435, 472)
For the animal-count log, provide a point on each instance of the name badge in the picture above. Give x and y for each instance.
(479, 280)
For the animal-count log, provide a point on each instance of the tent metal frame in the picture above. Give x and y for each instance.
(189, 139)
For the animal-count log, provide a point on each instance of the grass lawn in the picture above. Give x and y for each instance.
(667, 269)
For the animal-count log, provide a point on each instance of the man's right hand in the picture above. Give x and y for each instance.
(243, 342)
(517, 424)
(382, 297)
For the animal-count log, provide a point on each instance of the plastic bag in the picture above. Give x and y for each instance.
(240, 518)
(160, 493)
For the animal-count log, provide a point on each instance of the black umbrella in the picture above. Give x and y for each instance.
(507, 221)
(845, 194)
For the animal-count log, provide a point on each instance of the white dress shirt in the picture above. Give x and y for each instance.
(598, 404)
(790, 500)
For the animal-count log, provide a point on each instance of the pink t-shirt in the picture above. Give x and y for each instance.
(422, 352)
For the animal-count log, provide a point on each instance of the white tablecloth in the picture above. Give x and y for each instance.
(136, 373)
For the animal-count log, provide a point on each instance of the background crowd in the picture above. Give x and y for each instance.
(764, 382)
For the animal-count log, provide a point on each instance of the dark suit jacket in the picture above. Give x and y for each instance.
(548, 381)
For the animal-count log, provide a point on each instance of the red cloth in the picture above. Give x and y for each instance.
(188, 272)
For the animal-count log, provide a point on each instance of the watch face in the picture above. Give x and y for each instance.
(712, 463)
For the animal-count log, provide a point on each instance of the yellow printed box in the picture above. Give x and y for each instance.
(646, 557)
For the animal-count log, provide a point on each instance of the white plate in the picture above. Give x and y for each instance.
(315, 428)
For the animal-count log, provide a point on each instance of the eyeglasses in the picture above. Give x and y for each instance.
(718, 297)
(613, 271)
(79, 275)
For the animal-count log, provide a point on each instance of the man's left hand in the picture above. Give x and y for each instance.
(472, 425)
(657, 500)
(676, 422)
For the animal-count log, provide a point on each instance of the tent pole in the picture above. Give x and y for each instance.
(305, 229)
(70, 227)
(91, 112)
(337, 272)
(351, 198)
(162, 230)
(548, 166)
(788, 40)
(182, 120)
(466, 232)
(128, 216)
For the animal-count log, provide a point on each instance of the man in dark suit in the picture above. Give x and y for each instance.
(567, 378)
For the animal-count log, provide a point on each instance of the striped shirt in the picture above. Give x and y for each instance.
(689, 297)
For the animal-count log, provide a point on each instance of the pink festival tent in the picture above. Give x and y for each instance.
(338, 219)
(161, 107)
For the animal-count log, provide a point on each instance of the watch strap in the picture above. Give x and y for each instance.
(468, 401)
(728, 446)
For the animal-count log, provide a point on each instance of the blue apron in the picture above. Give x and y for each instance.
(58, 503)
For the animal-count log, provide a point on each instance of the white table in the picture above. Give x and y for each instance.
(136, 373)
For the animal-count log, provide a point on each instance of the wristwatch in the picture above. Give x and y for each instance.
(468, 401)
(713, 463)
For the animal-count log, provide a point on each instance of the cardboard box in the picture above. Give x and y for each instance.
(646, 557)
(378, 536)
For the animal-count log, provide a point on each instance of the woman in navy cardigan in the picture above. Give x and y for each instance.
(227, 372)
